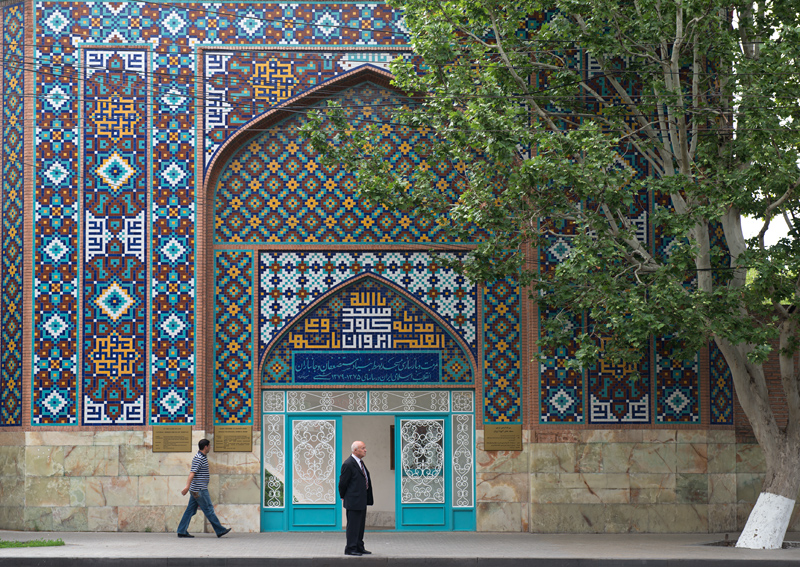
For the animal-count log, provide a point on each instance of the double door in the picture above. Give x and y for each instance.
(422, 472)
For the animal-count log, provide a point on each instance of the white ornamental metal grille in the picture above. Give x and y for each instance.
(462, 401)
(409, 401)
(274, 461)
(272, 401)
(422, 461)
(313, 460)
(462, 461)
(327, 401)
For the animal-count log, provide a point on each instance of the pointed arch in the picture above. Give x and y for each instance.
(280, 338)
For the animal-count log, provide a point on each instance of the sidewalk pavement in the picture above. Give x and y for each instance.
(389, 549)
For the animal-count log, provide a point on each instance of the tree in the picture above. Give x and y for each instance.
(538, 101)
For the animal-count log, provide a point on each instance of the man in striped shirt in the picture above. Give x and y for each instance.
(197, 485)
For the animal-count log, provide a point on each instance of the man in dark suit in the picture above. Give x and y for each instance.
(355, 490)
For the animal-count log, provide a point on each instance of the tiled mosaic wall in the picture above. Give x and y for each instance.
(233, 316)
(357, 323)
(134, 120)
(277, 190)
(115, 197)
(131, 232)
(667, 389)
(11, 237)
(502, 375)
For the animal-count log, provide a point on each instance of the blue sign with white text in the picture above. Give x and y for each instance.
(381, 367)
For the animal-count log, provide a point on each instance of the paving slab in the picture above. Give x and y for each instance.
(389, 549)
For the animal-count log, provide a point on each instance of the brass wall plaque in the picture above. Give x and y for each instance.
(172, 439)
(233, 438)
(502, 437)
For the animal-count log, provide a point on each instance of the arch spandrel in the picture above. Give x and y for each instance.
(273, 188)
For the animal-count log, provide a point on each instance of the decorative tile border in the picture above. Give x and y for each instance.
(502, 375)
(233, 352)
(13, 213)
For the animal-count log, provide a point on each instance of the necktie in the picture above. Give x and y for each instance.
(364, 472)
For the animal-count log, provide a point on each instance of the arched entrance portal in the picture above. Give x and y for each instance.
(421, 448)
(330, 312)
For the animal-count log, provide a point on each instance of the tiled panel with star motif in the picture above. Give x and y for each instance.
(11, 240)
(115, 197)
(233, 323)
(677, 396)
(620, 393)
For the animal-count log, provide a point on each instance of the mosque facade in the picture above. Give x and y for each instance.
(179, 264)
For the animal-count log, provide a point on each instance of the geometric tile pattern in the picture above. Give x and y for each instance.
(615, 396)
(561, 388)
(115, 195)
(11, 239)
(289, 282)
(677, 396)
(362, 317)
(172, 33)
(677, 386)
(233, 323)
(241, 85)
(721, 387)
(502, 386)
(276, 188)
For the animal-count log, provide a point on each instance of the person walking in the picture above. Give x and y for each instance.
(355, 490)
(197, 485)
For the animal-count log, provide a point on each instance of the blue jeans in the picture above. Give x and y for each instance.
(202, 500)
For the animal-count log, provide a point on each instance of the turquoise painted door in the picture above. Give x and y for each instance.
(422, 473)
(314, 453)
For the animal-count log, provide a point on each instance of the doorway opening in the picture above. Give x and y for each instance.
(377, 432)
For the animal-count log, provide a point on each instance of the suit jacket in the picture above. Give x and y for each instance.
(352, 488)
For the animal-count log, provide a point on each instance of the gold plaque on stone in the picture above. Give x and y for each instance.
(233, 438)
(502, 437)
(172, 439)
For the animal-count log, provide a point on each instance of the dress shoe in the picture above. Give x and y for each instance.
(185, 535)
(356, 553)
(225, 532)
(364, 552)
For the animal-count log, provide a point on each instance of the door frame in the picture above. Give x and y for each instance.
(405, 513)
(453, 404)
(301, 516)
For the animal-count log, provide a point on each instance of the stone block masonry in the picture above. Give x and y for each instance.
(112, 481)
(607, 481)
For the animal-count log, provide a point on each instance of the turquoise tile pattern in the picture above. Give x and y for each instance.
(12, 237)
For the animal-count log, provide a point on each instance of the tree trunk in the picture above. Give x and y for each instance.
(767, 524)
(769, 520)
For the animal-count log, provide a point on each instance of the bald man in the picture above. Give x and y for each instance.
(355, 490)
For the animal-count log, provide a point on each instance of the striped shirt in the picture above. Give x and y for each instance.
(200, 470)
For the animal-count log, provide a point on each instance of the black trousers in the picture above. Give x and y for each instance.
(356, 520)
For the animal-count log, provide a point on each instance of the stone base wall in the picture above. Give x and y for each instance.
(112, 481)
(619, 481)
(607, 481)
